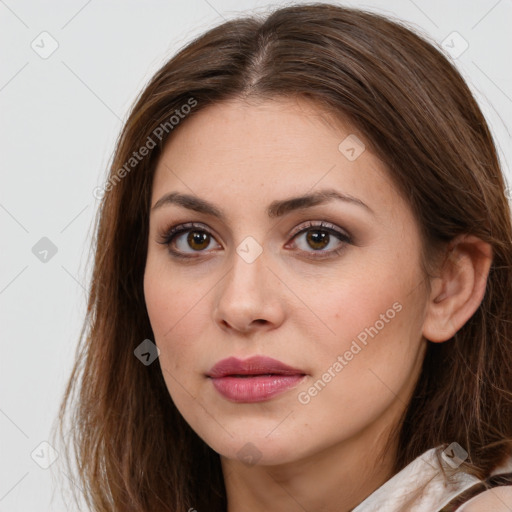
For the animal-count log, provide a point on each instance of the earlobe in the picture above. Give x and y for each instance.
(459, 289)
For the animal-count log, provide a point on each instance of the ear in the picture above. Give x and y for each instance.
(459, 288)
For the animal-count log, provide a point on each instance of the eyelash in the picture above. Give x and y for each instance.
(169, 234)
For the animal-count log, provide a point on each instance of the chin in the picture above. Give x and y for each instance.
(256, 449)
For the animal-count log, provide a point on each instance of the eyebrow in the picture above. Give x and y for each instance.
(276, 209)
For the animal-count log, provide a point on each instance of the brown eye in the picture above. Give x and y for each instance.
(196, 240)
(201, 238)
(187, 240)
(321, 240)
(317, 239)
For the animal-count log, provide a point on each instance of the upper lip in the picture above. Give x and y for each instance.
(256, 365)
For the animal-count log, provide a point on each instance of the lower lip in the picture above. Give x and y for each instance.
(257, 388)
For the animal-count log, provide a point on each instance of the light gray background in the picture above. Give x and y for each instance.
(60, 117)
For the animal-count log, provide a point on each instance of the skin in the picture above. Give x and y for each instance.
(286, 304)
(498, 499)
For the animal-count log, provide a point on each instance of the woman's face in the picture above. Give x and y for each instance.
(342, 303)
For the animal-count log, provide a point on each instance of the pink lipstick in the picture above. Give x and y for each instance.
(253, 380)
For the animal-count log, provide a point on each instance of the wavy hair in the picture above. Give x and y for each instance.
(132, 448)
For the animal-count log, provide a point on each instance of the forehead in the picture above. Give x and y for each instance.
(262, 150)
(258, 128)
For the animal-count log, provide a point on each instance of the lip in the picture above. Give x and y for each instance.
(255, 379)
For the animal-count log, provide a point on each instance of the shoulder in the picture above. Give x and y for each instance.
(497, 499)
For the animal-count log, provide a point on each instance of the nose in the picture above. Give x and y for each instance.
(249, 297)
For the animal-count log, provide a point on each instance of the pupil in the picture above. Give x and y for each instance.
(318, 237)
(199, 238)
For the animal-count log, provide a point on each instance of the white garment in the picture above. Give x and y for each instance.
(404, 492)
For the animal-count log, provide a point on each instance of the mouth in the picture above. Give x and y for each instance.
(255, 379)
(254, 366)
(249, 375)
(254, 388)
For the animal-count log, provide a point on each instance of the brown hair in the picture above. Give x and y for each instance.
(134, 450)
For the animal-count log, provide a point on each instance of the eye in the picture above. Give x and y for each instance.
(191, 239)
(324, 238)
(197, 238)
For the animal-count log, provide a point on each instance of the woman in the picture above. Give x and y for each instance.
(302, 282)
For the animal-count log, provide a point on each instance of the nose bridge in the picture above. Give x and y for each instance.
(244, 299)
(248, 267)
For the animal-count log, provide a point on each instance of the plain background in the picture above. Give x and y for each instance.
(60, 117)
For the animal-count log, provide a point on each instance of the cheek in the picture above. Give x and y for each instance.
(175, 309)
(366, 303)
(375, 320)
(382, 299)
(174, 317)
